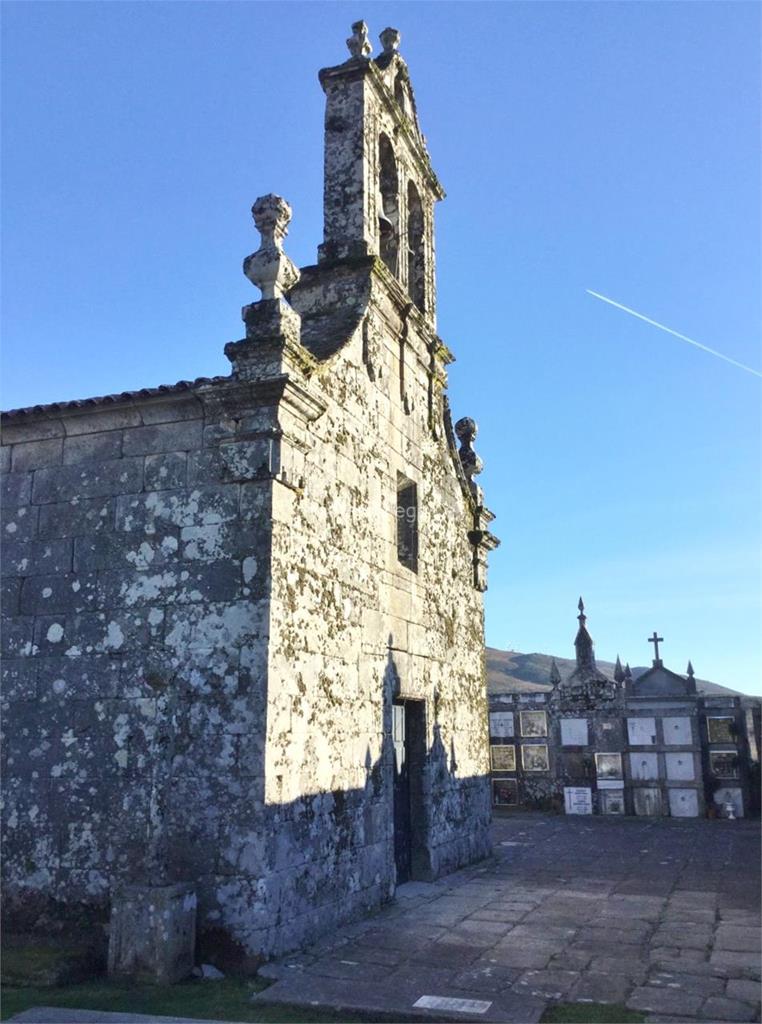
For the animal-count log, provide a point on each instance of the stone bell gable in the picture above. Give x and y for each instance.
(244, 615)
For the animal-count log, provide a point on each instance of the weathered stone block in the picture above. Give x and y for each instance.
(182, 407)
(93, 447)
(90, 633)
(31, 429)
(76, 517)
(165, 472)
(93, 677)
(37, 557)
(16, 637)
(66, 593)
(16, 489)
(19, 678)
(153, 932)
(10, 596)
(213, 582)
(110, 550)
(5, 458)
(164, 437)
(36, 454)
(19, 524)
(97, 420)
(202, 506)
(87, 480)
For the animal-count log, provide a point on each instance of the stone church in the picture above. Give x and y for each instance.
(243, 635)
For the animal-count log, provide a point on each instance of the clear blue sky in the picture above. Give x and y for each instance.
(611, 146)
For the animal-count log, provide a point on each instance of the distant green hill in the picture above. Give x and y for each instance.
(513, 672)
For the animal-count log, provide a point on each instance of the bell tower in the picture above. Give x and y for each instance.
(380, 188)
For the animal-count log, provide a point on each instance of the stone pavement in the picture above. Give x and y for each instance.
(661, 915)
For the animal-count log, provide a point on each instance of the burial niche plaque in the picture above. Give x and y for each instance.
(503, 757)
(578, 800)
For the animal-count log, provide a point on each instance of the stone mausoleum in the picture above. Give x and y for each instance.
(243, 633)
(645, 744)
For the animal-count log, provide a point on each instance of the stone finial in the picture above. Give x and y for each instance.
(627, 672)
(466, 430)
(269, 268)
(390, 40)
(689, 671)
(358, 43)
(618, 671)
(555, 675)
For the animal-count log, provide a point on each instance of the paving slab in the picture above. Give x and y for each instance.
(718, 1008)
(64, 1015)
(399, 999)
(744, 989)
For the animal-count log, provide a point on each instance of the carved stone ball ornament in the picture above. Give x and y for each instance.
(269, 268)
(466, 430)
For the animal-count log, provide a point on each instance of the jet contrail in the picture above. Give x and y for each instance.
(669, 330)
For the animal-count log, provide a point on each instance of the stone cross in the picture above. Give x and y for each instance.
(358, 43)
(269, 268)
(656, 640)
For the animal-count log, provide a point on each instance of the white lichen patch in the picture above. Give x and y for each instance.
(55, 633)
(114, 636)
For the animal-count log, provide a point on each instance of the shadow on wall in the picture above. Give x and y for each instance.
(270, 877)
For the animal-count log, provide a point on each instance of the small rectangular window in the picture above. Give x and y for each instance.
(407, 522)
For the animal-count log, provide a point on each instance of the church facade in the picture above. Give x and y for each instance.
(243, 636)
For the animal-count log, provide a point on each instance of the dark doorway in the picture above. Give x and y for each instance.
(409, 738)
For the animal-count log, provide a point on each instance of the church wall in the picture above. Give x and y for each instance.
(351, 629)
(135, 607)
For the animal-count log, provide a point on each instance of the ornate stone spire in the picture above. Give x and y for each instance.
(466, 430)
(583, 642)
(358, 43)
(555, 675)
(618, 671)
(627, 672)
(691, 678)
(269, 268)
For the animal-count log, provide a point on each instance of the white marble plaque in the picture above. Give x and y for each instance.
(641, 731)
(644, 766)
(683, 803)
(578, 800)
(501, 724)
(677, 730)
(680, 766)
(451, 1003)
(573, 732)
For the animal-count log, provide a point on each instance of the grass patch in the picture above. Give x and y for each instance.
(590, 1013)
(228, 999)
